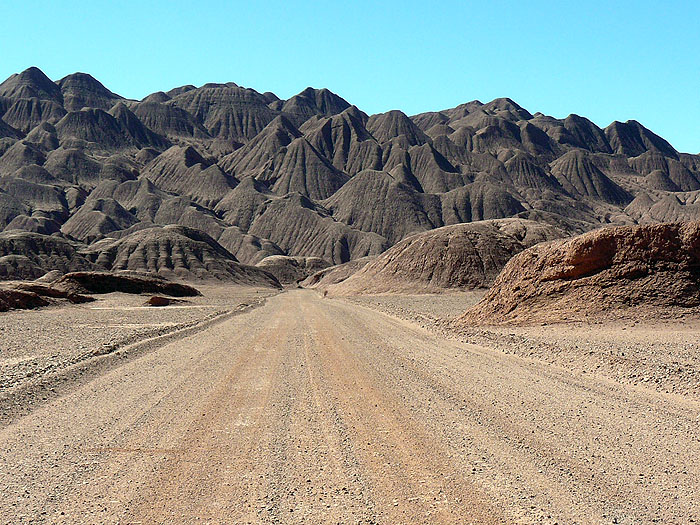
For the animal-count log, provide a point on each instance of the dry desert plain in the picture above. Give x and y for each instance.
(251, 406)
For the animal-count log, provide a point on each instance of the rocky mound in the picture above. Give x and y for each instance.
(19, 155)
(25, 255)
(631, 138)
(322, 279)
(141, 136)
(586, 134)
(26, 113)
(44, 290)
(345, 141)
(247, 248)
(106, 282)
(41, 225)
(525, 173)
(257, 156)
(93, 126)
(81, 90)
(239, 207)
(304, 170)
(19, 267)
(43, 137)
(10, 208)
(376, 201)
(227, 111)
(169, 120)
(97, 218)
(159, 300)
(578, 175)
(20, 300)
(289, 270)
(385, 204)
(49, 277)
(391, 124)
(675, 175)
(600, 273)
(433, 171)
(7, 131)
(37, 197)
(73, 166)
(299, 226)
(31, 83)
(462, 256)
(176, 252)
(312, 102)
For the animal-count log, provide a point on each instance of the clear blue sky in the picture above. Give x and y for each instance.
(604, 60)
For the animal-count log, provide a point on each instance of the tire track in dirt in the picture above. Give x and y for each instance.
(414, 480)
(558, 446)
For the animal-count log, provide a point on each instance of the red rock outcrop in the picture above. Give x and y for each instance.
(600, 273)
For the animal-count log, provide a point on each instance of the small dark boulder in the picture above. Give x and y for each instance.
(158, 300)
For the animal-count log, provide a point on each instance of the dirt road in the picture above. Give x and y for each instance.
(311, 410)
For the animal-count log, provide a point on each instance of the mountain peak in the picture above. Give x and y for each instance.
(31, 83)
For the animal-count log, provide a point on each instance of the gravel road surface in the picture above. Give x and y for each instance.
(312, 410)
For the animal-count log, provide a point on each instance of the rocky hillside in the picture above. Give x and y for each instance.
(311, 176)
(461, 256)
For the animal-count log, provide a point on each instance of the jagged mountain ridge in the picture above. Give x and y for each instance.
(313, 175)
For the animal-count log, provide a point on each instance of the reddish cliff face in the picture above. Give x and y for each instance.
(603, 271)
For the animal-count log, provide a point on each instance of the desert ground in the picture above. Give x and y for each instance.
(473, 314)
(252, 406)
(44, 350)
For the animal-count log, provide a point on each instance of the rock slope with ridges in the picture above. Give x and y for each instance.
(176, 252)
(462, 256)
(322, 279)
(41, 253)
(31, 83)
(184, 171)
(300, 227)
(81, 90)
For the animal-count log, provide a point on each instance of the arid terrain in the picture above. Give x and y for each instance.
(308, 409)
(58, 343)
(219, 306)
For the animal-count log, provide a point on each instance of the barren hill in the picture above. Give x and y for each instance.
(462, 256)
(25, 255)
(313, 175)
(322, 279)
(289, 270)
(176, 252)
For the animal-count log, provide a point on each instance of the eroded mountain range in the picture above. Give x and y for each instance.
(199, 182)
